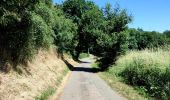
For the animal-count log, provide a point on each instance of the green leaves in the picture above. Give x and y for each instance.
(41, 31)
(143, 39)
(101, 30)
(30, 25)
(113, 41)
(65, 31)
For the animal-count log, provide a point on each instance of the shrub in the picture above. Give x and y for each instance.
(23, 30)
(148, 70)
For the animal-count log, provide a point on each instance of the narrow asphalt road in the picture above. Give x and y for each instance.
(83, 84)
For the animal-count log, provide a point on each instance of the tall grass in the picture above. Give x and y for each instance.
(149, 70)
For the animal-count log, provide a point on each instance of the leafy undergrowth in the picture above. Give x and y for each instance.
(141, 75)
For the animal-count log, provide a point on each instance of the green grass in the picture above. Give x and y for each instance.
(95, 65)
(51, 90)
(141, 75)
(45, 94)
(83, 55)
(148, 70)
(117, 84)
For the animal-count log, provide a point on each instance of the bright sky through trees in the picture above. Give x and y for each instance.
(147, 14)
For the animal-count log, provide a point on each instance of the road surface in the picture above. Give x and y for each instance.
(84, 84)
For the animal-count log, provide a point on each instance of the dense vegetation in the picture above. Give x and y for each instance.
(27, 26)
(147, 70)
(75, 26)
(100, 31)
(104, 32)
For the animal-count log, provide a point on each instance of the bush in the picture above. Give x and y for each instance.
(148, 70)
(153, 79)
(23, 31)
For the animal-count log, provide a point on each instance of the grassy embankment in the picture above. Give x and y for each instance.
(141, 75)
(53, 92)
(41, 78)
(50, 91)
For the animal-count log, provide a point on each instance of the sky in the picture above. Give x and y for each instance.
(150, 15)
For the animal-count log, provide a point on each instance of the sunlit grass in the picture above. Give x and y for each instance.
(147, 72)
(83, 55)
(51, 90)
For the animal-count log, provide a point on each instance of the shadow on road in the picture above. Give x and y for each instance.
(70, 66)
(89, 70)
(81, 69)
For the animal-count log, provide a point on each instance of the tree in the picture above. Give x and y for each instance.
(113, 41)
(15, 27)
(88, 17)
(133, 39)
(65, 31)
(167, 34)
(104, 31)
(150, 40)
(26, 26)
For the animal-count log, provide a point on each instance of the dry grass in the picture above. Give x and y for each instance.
(159, 58)
(148, 70)
(41, 73)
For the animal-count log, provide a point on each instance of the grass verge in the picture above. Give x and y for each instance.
(140, 75)
(116, 83)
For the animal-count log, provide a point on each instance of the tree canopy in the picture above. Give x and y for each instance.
(75, 26)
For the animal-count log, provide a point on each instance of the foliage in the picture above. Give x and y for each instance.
(116, 83)
(147, 70)
(167, 35)
(25, 27)
(74, 26)
(15, 35)
(151, 78)
(113, 41)
(104, 29)
(133, 39)
(65, 31)
(88, 17)
(139, 39)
